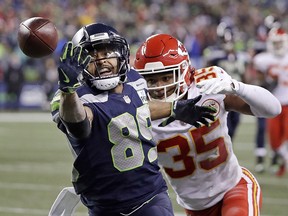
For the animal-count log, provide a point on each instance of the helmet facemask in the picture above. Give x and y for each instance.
(175, 87)
(103, 43)
(106, 75)
(160, 54)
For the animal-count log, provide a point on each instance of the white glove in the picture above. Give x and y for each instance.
(66, 203)
(214, 80)
(219, 85)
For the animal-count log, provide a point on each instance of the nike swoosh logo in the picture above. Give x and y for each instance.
(66, 80)
(140, 83)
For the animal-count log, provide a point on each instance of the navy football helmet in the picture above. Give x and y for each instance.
(98, 36)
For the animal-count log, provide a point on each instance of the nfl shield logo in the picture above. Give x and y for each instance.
(127, 99)
(142, 96)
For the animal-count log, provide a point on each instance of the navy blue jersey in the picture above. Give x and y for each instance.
(116, 166)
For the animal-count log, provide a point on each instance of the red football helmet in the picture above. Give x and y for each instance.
(163, 54)
(277, 41)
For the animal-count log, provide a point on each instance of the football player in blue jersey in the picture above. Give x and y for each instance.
(102, 108)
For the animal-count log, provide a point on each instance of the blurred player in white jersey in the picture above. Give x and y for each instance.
(199, 162)
(251, 77)
(273, 65)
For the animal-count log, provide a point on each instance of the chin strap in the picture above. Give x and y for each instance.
(106, 84)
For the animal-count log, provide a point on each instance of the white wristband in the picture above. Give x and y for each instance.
(235, 85)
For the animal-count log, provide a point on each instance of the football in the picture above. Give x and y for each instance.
(37, 37)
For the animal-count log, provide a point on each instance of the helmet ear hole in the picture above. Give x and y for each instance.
(98, 36)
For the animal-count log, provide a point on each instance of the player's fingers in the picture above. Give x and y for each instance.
(69, 50)
(204, 121)
(207, 86)
(193, 101)
(217, 89)
(86, 61)
(201, 84)
(77, 54)
(64, 52)
(208, 116)
(166, 122)
(204, 83)
(208, 109)
(204, 88)
(210, 89)
(196, 124)
(196, 99)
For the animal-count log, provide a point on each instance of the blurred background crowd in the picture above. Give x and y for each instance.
(27, 83)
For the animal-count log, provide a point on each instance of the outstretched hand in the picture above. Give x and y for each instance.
(187, 111)
(70, 67)
(215, 80)
(218, 86)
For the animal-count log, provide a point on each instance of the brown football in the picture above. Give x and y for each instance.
(37, 37)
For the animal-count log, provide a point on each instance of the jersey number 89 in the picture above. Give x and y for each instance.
(127, 152)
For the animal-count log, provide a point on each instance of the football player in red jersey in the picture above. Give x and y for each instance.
(199, 162)
(273, 66)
